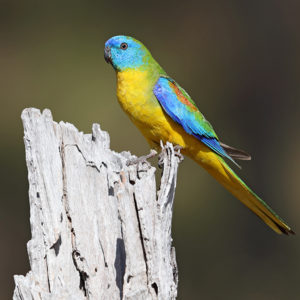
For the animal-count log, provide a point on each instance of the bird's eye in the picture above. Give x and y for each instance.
(123, 46)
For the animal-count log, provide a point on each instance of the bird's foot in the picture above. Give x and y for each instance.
(177, 153)
(141, 159)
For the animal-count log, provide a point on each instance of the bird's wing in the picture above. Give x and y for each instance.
(180, 107)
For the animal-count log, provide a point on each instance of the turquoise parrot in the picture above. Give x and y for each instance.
(164, 111)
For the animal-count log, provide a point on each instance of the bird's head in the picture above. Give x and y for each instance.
(125, 52)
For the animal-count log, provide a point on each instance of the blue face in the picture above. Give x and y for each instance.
(125, 52)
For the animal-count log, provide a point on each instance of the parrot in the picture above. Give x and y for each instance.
(164, 112)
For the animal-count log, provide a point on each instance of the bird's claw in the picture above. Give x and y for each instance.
(177, 153)
(177, 147)
(141, 159)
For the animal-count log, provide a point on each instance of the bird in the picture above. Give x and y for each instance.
(164, 112)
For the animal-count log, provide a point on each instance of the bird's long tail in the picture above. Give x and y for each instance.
(219, 169)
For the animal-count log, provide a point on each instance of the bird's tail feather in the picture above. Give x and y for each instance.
(219, 169)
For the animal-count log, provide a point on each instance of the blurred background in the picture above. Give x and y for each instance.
(240, 62)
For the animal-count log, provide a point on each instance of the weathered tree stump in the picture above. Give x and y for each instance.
(100, 230)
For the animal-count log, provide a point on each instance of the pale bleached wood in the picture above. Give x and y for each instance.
(100, 230)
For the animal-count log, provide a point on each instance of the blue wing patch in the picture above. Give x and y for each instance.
(183, 111)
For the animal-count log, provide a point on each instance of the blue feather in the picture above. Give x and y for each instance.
(189, 119)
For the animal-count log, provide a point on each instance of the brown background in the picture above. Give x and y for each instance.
(240, 62)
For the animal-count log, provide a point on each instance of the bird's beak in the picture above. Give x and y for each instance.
(107, 55)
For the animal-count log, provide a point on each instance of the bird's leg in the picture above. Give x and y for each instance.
(141, 159)
(177, 153)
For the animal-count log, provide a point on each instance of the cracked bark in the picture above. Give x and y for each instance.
(100, 230)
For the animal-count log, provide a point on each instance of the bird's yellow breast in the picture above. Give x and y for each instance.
(135, 95)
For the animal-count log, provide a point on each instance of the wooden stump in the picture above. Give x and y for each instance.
(100, 230)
